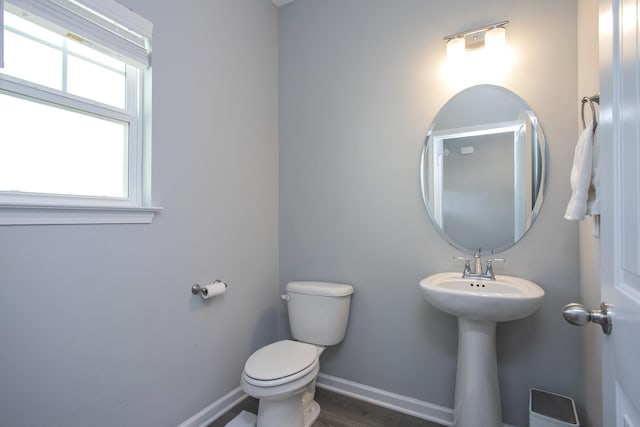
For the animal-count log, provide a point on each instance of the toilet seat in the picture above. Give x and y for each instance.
(280, 363)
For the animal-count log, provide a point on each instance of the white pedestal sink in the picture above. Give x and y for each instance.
(479, 304)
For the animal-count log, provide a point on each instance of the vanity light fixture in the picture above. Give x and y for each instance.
(491, 36)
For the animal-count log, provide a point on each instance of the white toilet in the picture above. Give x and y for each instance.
(283, 375)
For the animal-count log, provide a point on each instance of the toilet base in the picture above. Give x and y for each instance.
(247, 419)
(311, 413)
(282, 412)
(310, 408)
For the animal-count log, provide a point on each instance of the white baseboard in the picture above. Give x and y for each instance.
(396, 402)
(216, 409)
(399, 403)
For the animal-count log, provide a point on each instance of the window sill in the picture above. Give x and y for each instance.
(52, 214)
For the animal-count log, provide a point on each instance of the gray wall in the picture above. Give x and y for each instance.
(97, 323)
(360, 81)
(588, 84)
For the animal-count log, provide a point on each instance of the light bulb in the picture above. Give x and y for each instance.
(496, 38)
(455, 48)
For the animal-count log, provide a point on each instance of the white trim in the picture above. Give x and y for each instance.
(216, 409)
(66, 215)
(403, 404)
(479, 130)
(396, 402)
(37, 93)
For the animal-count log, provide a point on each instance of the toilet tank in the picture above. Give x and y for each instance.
(318, 311)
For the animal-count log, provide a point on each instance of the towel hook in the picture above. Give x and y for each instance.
(592, 100)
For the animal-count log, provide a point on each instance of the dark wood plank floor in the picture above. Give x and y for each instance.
(340, 411)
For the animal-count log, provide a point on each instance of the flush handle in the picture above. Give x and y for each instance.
(577, 314)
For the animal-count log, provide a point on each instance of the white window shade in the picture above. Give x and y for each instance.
(105, 24)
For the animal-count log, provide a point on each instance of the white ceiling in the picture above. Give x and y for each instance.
(281, 2)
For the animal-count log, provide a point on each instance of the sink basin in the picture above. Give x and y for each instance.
(506, 298)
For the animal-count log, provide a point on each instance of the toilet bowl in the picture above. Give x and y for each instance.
(282, 375)
(279, 375)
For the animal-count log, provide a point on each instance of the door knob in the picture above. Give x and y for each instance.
(577, 314)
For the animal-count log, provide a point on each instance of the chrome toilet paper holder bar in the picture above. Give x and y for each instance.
(197, 289)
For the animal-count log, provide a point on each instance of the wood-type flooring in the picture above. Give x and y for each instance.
(338, 410)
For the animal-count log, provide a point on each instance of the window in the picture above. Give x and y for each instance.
(74, 113)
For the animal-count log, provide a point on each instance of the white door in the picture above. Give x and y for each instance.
(619, 140)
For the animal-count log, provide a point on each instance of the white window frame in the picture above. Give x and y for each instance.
(29, 208)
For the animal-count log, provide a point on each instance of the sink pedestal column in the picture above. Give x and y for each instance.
(477, 392)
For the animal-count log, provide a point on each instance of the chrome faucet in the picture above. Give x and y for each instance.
(478, 273)
(478, 263)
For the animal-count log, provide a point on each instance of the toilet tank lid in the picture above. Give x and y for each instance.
(320, 288)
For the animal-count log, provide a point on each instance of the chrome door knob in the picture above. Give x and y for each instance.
(578, 314)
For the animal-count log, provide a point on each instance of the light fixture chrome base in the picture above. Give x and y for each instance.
(474, 39)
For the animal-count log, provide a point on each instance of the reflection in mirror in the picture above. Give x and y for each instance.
(483, 169)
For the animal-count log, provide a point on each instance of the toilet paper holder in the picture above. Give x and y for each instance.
(198, 290)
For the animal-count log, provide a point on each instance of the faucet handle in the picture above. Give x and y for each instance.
(490, 266)
(467, 265)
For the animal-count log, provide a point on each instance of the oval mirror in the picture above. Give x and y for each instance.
(483, 169)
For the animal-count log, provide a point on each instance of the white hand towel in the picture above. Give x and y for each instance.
(581, 176)
(593, 201)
